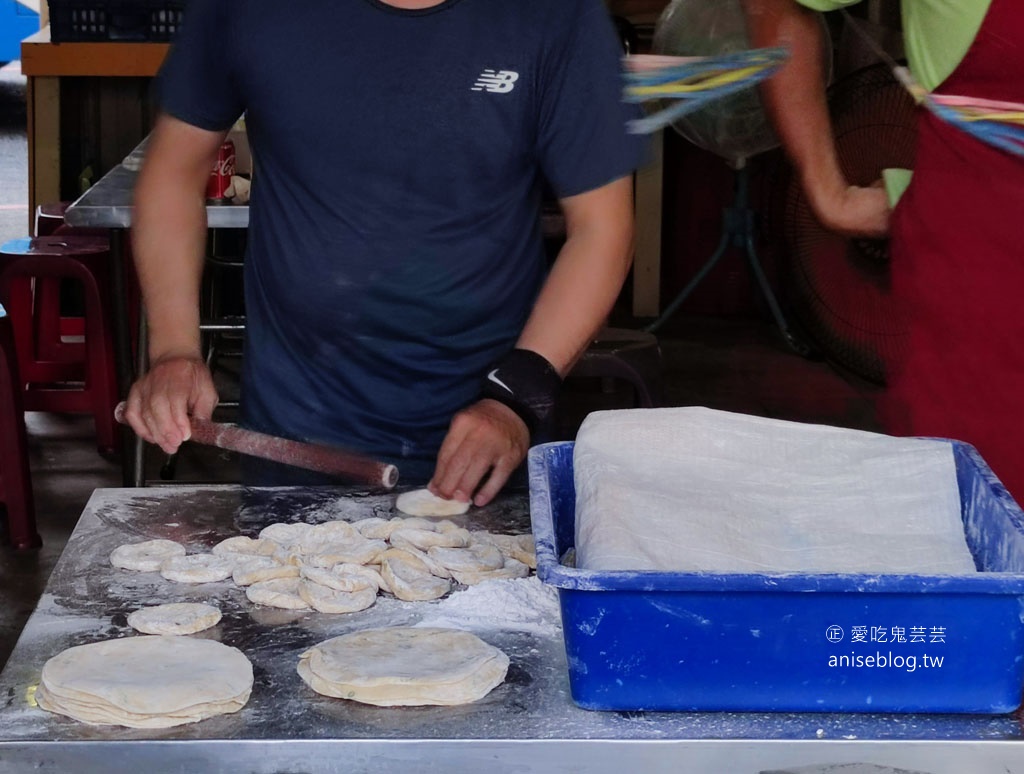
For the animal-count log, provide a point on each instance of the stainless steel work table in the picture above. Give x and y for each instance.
(528, 724)
(108, 204)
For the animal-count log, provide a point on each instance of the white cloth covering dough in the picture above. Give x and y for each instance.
(197, 568)
(282, 592)
(328, 600)
(410, 579)
(403, 666)
(696, 490)
(146, 556)
(422, 502)
(177, 618)
(146, 682)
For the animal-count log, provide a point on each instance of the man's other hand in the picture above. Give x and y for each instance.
(487, 436)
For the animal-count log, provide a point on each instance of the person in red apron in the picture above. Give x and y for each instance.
(957, 248)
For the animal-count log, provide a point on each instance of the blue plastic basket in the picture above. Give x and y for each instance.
(793, 642)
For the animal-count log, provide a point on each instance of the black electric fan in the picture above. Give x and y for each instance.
(839, 288)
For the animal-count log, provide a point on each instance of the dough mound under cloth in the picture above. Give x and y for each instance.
(146, 682)
(404, 666)
(175, 618)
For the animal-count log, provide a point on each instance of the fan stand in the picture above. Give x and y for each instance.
(738, 230)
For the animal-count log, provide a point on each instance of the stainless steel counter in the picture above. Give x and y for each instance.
(528, 724)
(108, 204)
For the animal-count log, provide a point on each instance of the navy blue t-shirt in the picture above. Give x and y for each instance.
(394, 244)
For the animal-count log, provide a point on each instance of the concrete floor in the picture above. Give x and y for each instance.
(732, 364)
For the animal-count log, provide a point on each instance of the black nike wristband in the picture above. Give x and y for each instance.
(528, 384)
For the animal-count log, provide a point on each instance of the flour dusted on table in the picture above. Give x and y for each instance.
(696, 490)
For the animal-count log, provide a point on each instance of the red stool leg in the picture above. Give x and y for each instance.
(15, 481)
(101, 381)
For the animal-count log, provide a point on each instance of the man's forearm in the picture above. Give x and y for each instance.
(586, 277)
(169, 242)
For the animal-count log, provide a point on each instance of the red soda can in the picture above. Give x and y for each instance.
(223, 169)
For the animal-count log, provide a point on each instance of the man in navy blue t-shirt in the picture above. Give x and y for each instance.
(397, 296)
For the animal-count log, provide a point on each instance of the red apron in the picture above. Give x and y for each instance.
(958, 261)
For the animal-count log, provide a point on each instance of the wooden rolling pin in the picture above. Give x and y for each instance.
(308, 456)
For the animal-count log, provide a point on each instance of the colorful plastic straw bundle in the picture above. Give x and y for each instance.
(1000, 124)
(693, 82)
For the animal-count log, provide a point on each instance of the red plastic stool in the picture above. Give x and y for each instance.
(58, 334)
(15, 484)
(50, 385)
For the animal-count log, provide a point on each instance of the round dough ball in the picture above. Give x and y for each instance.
(197, 568)
(146, 556)
(410, 579)
(176, 618)
(327, 600)
(240, 545)
(345, 577)
(422, 502)
(282, 592)
(262, 568)
(286, 533)
(404, 666)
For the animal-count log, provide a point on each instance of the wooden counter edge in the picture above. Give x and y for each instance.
(41, 57)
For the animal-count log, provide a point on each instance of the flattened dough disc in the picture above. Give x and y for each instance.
(175, 618)
(421, 502)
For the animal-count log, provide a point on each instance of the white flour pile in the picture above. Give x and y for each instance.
(517, 604)
(696, 490)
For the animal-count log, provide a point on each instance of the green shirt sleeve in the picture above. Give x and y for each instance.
(938, 33)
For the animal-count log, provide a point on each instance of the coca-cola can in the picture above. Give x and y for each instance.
(223, 169)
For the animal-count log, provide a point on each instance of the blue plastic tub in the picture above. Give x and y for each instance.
(741, 642)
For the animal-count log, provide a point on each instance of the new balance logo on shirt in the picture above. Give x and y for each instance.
(496, 81)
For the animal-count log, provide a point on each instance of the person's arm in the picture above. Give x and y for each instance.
(795, 99)
(169, 244)
(573, 304)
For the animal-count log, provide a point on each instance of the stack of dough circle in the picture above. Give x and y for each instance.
(146, 682)
(404, 666)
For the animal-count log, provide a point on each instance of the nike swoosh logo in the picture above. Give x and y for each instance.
(491, 377)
